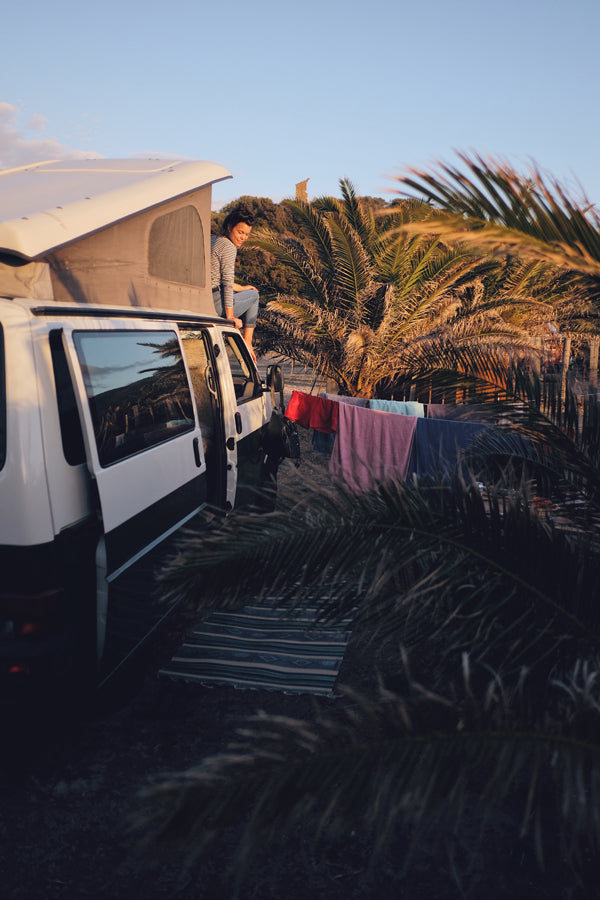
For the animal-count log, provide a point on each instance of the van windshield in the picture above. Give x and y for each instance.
(137, 389)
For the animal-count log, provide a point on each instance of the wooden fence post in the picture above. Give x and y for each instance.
(594, 345)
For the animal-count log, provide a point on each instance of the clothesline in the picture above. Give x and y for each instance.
(371, 443)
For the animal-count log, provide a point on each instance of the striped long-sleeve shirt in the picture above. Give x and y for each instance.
(222, 266)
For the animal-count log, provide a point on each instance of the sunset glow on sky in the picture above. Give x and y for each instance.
(279, 93)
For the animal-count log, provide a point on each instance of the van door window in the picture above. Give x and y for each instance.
(209, 406)
(249, 421)
(137, 389)
(68, 414)
(245, 379)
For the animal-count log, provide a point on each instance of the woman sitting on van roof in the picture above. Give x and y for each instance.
(233, 301)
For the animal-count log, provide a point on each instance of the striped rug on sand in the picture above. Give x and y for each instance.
(262, 648)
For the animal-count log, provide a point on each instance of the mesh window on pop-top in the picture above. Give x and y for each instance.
(176, 247)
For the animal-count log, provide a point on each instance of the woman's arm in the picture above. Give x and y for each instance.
(223, 255)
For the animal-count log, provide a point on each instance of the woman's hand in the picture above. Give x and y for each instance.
(233, 320)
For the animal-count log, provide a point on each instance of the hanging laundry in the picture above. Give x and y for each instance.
(371, 446)
(323, 443)
(339, 398)
(313, 412)
(400, 407)
(440, 443)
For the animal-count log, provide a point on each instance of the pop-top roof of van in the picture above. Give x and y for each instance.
(48, 204)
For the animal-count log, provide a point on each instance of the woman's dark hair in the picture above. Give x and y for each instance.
(237, 215)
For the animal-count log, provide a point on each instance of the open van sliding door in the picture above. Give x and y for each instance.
(246, 414)
(144, 451)
(201, 352)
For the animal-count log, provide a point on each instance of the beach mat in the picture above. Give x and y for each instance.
(261, 648)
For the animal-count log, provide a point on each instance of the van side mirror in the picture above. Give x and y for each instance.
(275, 384)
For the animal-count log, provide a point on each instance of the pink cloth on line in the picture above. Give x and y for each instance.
(313, 412)
(371, 446)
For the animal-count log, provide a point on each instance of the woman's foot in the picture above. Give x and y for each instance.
(247, 334)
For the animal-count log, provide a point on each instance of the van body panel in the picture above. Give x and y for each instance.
(143, 530)
(28, 569)
(23, 479)
(42, 643)
(69, 484)
(202, 347)
(138, 481)
(248, 408)
(135, 610)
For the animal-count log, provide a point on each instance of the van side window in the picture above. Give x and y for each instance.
(203, 384)
(176, 247)
(68, 414)
(245, 380)
(2, 402)
(137, 389)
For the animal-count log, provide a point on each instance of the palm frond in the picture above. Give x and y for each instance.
(395, 768)
(508, 212)
(351, 262)
(315, 225)
(399, 554)
(361, 224)
(431, 280)
(293, 256)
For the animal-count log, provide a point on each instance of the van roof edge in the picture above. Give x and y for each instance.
(49, 204)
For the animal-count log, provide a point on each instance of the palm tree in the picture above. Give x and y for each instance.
(480, 614)
(497, 209)
(378, 308)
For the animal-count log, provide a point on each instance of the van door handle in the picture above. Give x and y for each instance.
(238, 423)
(210, 381)
(197, 456)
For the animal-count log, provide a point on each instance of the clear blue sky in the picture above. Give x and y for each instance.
(278, 92)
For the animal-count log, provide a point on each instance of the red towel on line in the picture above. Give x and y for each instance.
(313, 412)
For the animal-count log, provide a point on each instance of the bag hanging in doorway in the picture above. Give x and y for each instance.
(282, 439)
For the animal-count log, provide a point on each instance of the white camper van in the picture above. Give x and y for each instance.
(126, 405)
